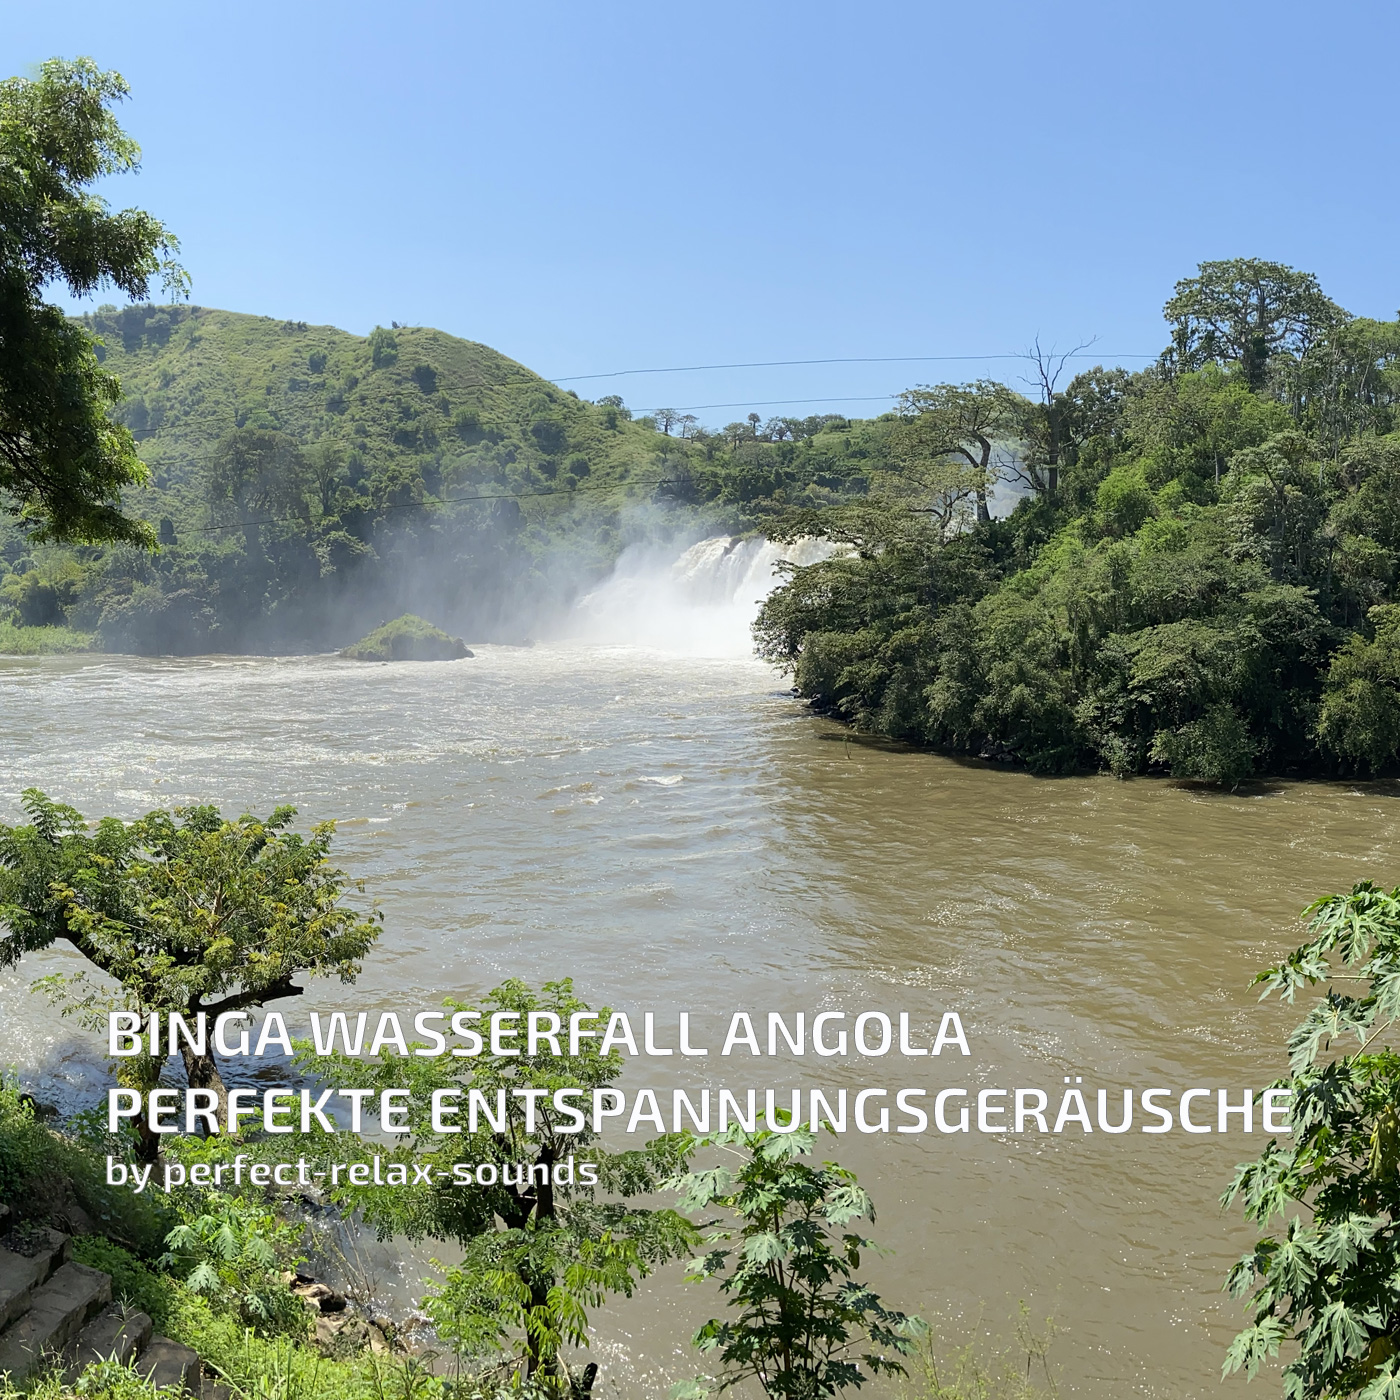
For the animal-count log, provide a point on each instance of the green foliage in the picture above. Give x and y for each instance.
(802, 1327)
(187, 911)
(1186, 589)
(530, 1289)
(63, 462)
(103, 1380)
(43, 1172)
(1327, 1275)
(279, 1367)
(133, 1282)
(1360, 714)
(42, 641)
(1248, 311)
(234, 1252)
(407, 638)
(540, 1244)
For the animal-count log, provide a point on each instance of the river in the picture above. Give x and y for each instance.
(677, 832)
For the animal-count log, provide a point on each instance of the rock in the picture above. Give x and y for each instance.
(168, 1365)
(319, 1296)
(58, 1310)
(341, 1333)
(407, 638)
(378, 1342)
(76, 1220)
(118, 1333)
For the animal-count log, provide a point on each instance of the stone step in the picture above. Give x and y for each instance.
(21, 1274)
(117, 1333)
(168, 1365)
(58, 1310)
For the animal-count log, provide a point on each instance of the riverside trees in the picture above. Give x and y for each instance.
(63, 462)
(1202, 591)
(188, 911)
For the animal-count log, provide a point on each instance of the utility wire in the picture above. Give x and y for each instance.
(857, 360)
(453, 500)
(771, 403)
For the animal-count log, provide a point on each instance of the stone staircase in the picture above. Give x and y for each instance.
(55, 1311)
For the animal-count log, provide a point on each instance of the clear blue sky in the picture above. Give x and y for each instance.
(599, 187)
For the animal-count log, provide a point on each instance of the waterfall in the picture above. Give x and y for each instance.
(701, 602)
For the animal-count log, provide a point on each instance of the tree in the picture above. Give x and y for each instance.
(1327, 1275)
(383, 347)
(63, 462)
(926, 478)
(1359, 719)
(964, 421)
(253, 473)
(803, 1327)
(1046, 426)
(327, 461)
(666, 419)
(1247, 311)
(188, 911)
(541, 1244)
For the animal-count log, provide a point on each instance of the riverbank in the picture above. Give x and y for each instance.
(44, 641)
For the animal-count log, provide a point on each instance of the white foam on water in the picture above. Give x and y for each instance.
(701, 603)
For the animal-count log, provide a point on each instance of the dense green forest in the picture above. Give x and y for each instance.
(307, 484)
(1200, 577)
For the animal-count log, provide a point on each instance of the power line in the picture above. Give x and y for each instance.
(772, 403)
(856, 360)
(452, 500)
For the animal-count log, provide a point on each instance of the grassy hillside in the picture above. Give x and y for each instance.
(407, 400)
(309, 483)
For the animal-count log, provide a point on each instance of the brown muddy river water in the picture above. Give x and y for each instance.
(681, 834)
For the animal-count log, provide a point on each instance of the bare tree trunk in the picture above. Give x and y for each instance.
(202, 1071)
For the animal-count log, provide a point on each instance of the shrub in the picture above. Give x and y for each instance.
(133, 1282)
(44, 1173)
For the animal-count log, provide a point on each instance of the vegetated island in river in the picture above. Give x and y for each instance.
(408, 638)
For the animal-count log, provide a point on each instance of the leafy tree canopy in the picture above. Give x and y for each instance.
(188, 911)
(63, 462)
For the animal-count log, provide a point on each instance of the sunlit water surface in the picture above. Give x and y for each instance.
(681, 834)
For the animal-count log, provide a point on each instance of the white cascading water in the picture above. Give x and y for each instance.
(702, 603)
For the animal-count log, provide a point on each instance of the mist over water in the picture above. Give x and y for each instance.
(701, 602)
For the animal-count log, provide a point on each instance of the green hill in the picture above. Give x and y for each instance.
(307, 482)
(407, 400)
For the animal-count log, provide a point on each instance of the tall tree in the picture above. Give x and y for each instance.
(63, 462)
(965, 421)
(253, 473)
(541, 1242)
(1247, 310)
